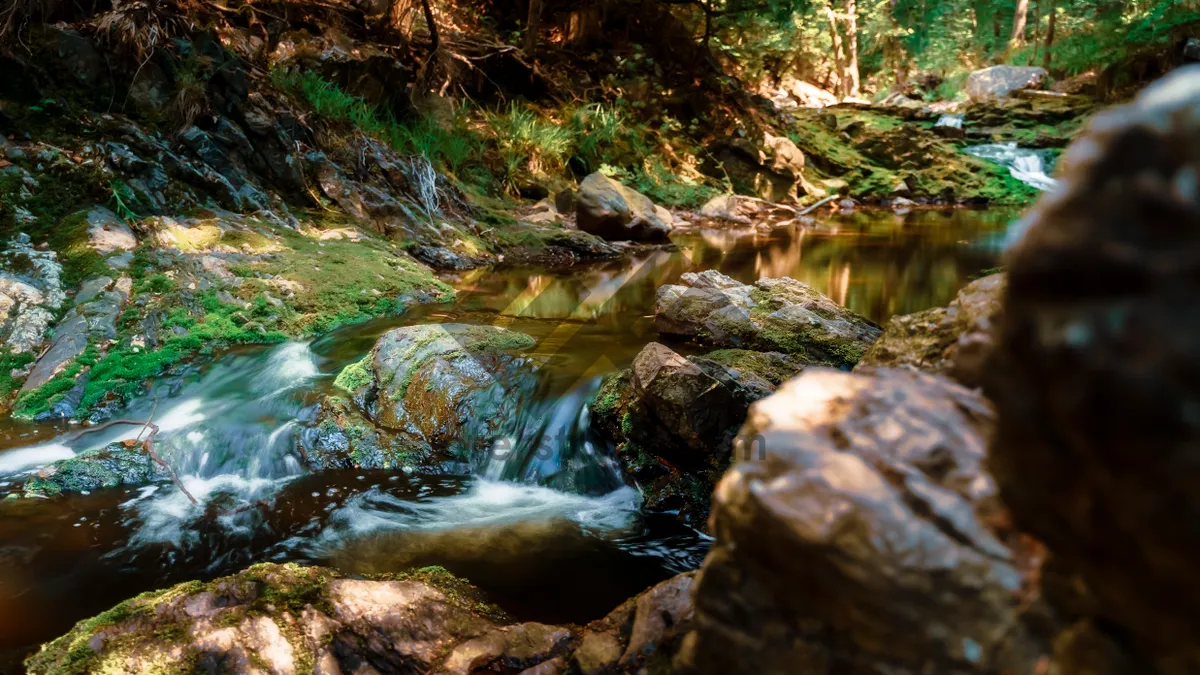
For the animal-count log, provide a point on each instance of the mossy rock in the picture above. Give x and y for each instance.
(449, 387)
(114, 465)
(278, 618)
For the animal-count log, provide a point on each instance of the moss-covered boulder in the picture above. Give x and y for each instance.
(344, 438)
(286, 619)
(953, 341)
(437, 390)
(675, 420)
(782, 315)
(112, 466)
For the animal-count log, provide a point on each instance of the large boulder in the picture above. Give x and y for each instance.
(277, 619)
(860, 542)
(782, 315)
(953, 341)
(612, 211)
(1096, 380)
(1000, 81)
(675, 419)
(447, 389)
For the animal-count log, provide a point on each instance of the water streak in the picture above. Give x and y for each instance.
(1026, 165)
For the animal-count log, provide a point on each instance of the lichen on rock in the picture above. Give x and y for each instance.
(782, 315)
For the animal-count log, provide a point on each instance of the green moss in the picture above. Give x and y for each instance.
(61, 190)
(40, 399)
(339, 282)
(355, 376)
(773, 369)
(8, 363)
(276, 588)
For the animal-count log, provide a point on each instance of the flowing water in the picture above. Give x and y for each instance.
(548, 528)
(1026, 165)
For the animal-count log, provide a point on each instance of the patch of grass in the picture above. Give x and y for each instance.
(40, 399)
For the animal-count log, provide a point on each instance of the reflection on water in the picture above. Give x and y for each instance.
(566, 545)
(877, 263)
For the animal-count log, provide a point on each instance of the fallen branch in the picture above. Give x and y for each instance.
(147, 446)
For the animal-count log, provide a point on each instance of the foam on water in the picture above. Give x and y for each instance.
(1024, 164)
(484, 504)
(14, 461)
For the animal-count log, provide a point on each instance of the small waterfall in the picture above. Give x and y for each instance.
(550, 444)
(1026, 165)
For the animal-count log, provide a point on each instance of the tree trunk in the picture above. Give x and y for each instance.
(433, 29)
(1049, 36)
(1037, 31)
(838, 59)
(1018, 32)
(533, 24)
(852, 47)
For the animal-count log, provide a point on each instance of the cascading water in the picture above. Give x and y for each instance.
(1026, 165)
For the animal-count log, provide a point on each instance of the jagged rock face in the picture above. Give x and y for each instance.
(781, 315)
(953, 341)
(283, 619)
(859, 542)
(111, 466)
(1000, 81)
(1096, 379)
(676, 419)
(446, 387)
(30, 292)
(612, 211)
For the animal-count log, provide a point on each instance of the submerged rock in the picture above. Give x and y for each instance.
(612, 211)
(781, 315)
(953, 341)
(281, 619)
(444, 387)
(112, 466)
(676, 419)
(859, 542)
(1094, 376)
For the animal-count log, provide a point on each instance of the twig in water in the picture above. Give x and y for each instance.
(147, 446)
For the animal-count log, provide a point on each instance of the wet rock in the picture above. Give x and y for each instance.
(953, 341)
(860, 541)
(279, 619)
(443, 258)
(31, 292)
(641, 634)
(1094, 380)
(70, 339)
(1191, 50)
(675, 419)
(612, 211)
(343, 438)
(781, 315)
(446, 387)
(1001, 81)
(92, 321)
(103, 468)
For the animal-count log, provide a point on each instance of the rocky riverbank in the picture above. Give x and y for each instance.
(894, 521)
